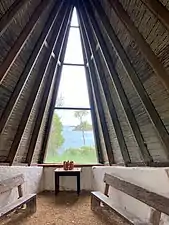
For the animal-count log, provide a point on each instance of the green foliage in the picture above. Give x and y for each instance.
(83, 126)
(56, 138)
(85, 154)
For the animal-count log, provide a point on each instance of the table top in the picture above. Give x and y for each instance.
(74, 170)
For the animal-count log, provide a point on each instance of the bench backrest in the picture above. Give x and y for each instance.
(9, 184)
(152, 199)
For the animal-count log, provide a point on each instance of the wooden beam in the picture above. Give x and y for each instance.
(19, 43)
(29, 66)
(97, 93)
(53, 101)
(107, 93)
(144, 153)
(51, 78)
(10, 183)
(6, 19)
(36, 87)
(155, 118)
(95, 125)
(152, 199)
(142, 44)
(160, 11)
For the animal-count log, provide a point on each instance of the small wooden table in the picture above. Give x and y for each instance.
(61, 172)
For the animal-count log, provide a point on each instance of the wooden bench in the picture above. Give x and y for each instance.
(158, 203)
(28, 200)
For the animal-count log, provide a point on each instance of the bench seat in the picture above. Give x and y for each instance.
(121, 212)
(16, 204)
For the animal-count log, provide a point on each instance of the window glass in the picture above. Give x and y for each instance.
(71, 137)
(73, 88)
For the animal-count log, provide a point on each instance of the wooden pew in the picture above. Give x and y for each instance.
(29, 200)
(158, 203)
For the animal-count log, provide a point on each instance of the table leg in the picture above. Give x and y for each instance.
(78, 183)
(56, 183)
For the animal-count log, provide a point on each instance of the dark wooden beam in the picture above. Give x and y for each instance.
(97, 93)
(144, 153)
(153, 114)
(10, 13)
(51, 78)
(160, 11)
(107, 93)
(72, 108)
(95, 121)
(143, 45)
(152, 199)
(53, 101)
(37, 84)
(29, 66)
(17, 47)
(72, 64)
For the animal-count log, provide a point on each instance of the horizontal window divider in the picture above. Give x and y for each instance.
(72, 108)
(73, 26)
(73, 64)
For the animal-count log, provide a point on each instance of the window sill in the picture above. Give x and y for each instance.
(76, 165)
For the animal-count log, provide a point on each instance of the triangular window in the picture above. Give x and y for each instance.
(71, 135)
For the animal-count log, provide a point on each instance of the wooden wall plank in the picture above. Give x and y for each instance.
(38, 81)
(29, 66)
(159, 10)
(51, 77)
(7, 63)
(7, 17)
(144, 47)
(97, 94)
(126, 105)
(160, 128)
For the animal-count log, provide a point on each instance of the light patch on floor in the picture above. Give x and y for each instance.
(65, 209)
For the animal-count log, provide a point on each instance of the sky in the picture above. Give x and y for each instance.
(73, 87)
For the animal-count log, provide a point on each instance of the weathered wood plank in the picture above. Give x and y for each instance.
(97, 93)
(29, 66)
(7, 17)
(123, 98)
(152, 199)
(37, 84)
(28, 199)
(159, 10)
(160, 128)
(8, 184)
(51, 77)
(144, 47)
(7, 63)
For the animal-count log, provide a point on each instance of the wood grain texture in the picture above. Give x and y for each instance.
(8, 184)
(159, 10)
(4, 68)
(144, 47)
(152, 199)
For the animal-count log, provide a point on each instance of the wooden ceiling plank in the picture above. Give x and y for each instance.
(157, 122)
(53, 101)
(29, 66)
(143, 45)
(36, 87)
(19, 44)
(92, 105)
(97, 94)
(144, 153)
(107, 94)
(8, 16)
(160, 11)
(52, 77)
